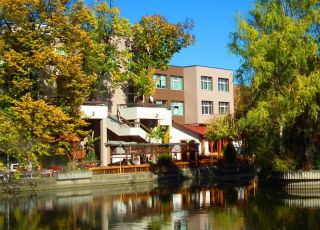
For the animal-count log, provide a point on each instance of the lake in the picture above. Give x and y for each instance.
(190, 205)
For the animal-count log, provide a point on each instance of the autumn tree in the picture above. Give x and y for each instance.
(279, 47)
(32, 129)
(46, 67)
(56, 53)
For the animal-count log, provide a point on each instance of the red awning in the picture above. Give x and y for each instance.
(200, 129)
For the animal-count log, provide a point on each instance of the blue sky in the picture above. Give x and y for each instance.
(214, 21)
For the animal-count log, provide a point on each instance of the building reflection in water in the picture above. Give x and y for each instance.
(146, 206)
(168, 207)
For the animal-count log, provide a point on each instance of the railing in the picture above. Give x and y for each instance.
(123, 121)
(207, 162)
(120, 169)
(298, 175)
(104, 103)
(150, 105)
(182, 164)
(146, 167)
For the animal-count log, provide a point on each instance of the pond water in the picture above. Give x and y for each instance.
(190, 205)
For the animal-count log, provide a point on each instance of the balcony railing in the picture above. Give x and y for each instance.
(149, 105)
(131, 124)
(104, 103)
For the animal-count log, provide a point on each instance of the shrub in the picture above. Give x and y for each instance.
(230, 153)
(165, 159)
(316, 162)
(283, 163)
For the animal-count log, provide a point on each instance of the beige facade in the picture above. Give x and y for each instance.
(207, 92)
(202, 90)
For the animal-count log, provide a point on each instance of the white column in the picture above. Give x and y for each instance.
(104, 152)
(105, 213)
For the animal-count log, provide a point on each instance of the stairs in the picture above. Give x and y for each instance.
(121, 127)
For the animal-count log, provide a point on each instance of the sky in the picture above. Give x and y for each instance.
(214, 21)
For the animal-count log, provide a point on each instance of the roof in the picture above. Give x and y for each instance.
(211, 67)
(198, 129)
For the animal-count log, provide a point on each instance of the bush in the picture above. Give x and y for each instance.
(165, 159)
(284, 163)
(316, 162)
(230, 153)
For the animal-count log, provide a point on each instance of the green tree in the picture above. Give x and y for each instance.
(129, 53)
(279, 47)
(113, 59)
(159, 133)
(154, 42)
(221, 127)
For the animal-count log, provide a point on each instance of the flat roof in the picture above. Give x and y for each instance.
(211, 67)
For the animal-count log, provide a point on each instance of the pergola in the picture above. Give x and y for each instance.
(139, 153)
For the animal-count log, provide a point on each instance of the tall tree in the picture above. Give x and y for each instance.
(279, 46)
(154, 42)
(131, 52)
(113, 60)
(46, 49)
(46, 69)
(32, 129)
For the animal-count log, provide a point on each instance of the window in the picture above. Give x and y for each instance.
(206, 83)
(223, 85)
(176, 83)
(177, 108)
(160, 81)
(207, 107)
(160, 102)
(131, 94)
(223, 108)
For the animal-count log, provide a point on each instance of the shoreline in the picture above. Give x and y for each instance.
(85, 179)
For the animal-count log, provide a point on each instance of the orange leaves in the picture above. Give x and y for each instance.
(41, 120)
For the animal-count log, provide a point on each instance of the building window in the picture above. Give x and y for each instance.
(160, 102)
(176, 83)
(224, 108)
(223, 85)
(160, 81)
(206, 83)
(177, 108)
(131, 94)
(207, 107)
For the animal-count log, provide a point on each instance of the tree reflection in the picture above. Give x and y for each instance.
(188, 207)
(268, 212)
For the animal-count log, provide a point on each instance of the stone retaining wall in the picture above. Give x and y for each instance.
(298, 175)
(296, 180)
(75, 179)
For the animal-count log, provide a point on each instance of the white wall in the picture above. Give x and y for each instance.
(162, 114)
(178, 134)
(95, 111)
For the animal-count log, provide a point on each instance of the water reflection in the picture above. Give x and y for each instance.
(188, 206)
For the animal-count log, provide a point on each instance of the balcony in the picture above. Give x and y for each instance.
(143, 111)
(95, 111)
